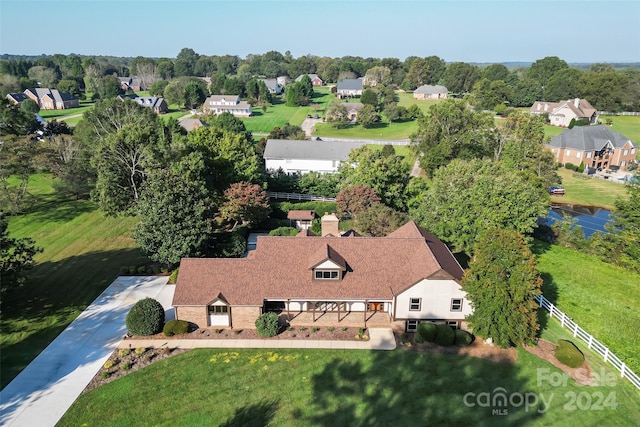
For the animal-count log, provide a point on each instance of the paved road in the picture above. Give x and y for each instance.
(44, 390)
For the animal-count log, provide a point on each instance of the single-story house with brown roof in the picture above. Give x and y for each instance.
(397, 281)
(301, 219)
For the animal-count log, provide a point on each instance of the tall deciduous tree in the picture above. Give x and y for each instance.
(625, 229)
(352, 200)
(543, 69)
(449, 131)
(459, 77)
(367, 116)
(501, 282)
(337, 115)
(466, 198)
(245, 203)
(387, 175)
(176, 212)
(16, 256)
(379, 220)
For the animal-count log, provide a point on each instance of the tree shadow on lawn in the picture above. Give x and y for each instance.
(53, 293)
(550, 292)
(404, 388)
(256, 415)
(377, 126)
(57, 208)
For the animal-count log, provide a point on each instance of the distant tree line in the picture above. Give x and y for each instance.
(489, 87)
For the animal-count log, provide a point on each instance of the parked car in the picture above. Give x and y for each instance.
(315, 116)
(556, 191)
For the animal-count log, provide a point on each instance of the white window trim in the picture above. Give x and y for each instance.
(411, 326)
(411, 304)
(460, 305)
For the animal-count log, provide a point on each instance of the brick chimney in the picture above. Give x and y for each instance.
(329, 223)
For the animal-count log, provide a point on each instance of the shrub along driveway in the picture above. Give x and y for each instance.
(45, 389)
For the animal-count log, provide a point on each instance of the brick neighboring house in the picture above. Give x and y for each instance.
(52, 99)
(430, 92)
(295, 156)
(315, 80)
(273, 86)
(349, 88)
(597, 146)
(561, 113)
(395, 281)
(218, 104)
(132, 83)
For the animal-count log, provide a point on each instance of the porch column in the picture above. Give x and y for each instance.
(339, 304)
(314, 310)
(288, 314)
(366, 303)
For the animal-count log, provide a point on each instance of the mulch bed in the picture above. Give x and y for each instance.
(478, 348)
(546, 350)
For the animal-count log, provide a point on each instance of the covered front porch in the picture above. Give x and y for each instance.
(332, 313)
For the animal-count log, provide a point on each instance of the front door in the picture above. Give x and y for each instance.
(375, 306)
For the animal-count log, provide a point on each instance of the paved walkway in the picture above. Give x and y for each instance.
(44, 390)
(379, 339)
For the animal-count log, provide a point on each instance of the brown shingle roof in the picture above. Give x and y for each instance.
(301, 215)
(378, 268)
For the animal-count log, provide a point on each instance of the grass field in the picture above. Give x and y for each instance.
(61, 114)
(603, 299)
(582, 190)
(291, 387)
(83, 253)
(406, 100)
(382, 130)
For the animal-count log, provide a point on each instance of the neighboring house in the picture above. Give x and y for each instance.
(561, 113)
(396, 281)
(132, 83)
(17, 98)
(273, 86)
(597, 146)
(52, 99)
(430, 92)
(294, 156)
(190, 124)
(348, 88)
(218, 104)
(315, 80)
(352, 109)
(158, 104)
(284, 80)
(301, 219)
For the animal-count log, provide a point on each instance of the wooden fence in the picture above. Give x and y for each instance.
(592, 343)
(298, 196)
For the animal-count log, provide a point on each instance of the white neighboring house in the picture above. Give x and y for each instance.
(273, 86)
(561, 113)
(349, 88)
(218, 104)
(295, 156)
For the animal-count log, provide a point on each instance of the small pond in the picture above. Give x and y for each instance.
(590, 218)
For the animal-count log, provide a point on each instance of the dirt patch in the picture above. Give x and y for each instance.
(124, 361)
(546, 351)
(292, 333)
(478, 348)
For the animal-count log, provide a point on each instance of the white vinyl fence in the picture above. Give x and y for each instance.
(592, 343)
(298, 196)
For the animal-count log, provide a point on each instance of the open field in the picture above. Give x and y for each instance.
(406, 100)
(602, 298)
(83, 253)
(382, 130)
(296, 387)
(582, 190)
(629, 126)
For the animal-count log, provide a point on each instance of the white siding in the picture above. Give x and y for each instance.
(436, 298)
(302, 165)
(328, 264)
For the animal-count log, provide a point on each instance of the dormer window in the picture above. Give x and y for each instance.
(327, 274)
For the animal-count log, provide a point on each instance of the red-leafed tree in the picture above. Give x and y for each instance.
(245, 203)
(354, 199)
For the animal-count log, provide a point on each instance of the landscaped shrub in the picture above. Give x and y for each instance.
(445, 335)
(175, 327)
(267, 324)
(463, 338)
(173, 278)
(568, 354)
(580, 167)
(284, 231)
(570, 166)
(146, 317)
(427, 332)
(142, 269)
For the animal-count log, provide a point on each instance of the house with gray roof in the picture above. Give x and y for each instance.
(349, 88)
(273, 86)
(218, 104)
(52, 99)
(17, 98)
(302, 156)
(561, 113)
(157, 104)
(430, 92)
(597, 146)
(315, 79)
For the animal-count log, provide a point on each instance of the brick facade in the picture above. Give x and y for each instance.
(195, 315)
(244, 317)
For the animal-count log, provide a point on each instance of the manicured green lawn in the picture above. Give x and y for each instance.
(382, 130)
(61, 114)
(582, 190)
(602, 298)
(407, 100)
(83, 254)
(629, 126)
(291, 387)
(279, 113)
(551, 131)
(401, 150)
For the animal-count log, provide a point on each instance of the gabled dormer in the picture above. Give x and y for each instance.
(327, 264)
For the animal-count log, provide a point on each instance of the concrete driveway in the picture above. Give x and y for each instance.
(308, 125)
(45, 389)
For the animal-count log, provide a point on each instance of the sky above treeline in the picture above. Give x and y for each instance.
(469, 31)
